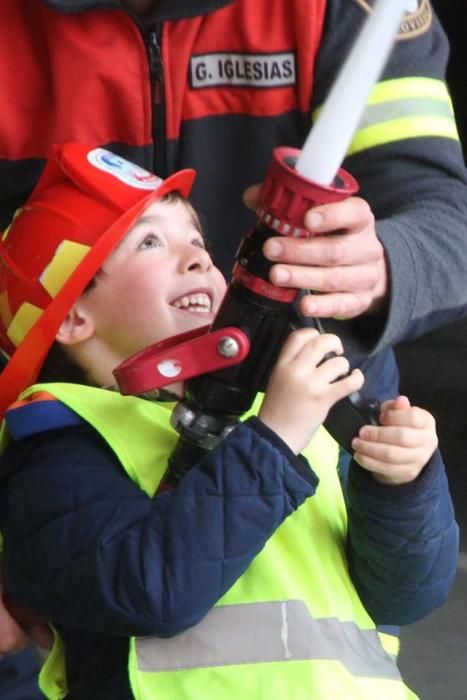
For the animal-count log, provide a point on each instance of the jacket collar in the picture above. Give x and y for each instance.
(165, 10)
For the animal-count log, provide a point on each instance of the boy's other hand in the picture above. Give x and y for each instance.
(13, 638)
(347, 268)
(305, 384)
(397, 450)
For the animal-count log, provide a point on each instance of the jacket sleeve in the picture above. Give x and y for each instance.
(415, 182)
(85, 547)
(403, 543)
(402, 540)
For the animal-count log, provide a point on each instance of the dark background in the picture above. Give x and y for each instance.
(434, 374)
(434, 367)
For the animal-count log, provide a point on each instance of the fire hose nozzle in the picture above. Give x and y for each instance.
(286, 194)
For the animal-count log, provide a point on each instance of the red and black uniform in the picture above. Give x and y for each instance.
(216, 85)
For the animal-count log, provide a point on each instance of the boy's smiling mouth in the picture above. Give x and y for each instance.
(195, 302)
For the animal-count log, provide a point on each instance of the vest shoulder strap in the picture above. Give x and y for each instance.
(38, 413)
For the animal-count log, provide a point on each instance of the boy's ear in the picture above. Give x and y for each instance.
(77, 326)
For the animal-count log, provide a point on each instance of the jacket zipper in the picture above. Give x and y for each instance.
(157, 90)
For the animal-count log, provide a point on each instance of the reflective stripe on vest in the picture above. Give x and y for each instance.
(405, 108)
(266, 632)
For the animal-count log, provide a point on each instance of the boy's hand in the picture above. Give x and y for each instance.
(348, 268)
(397, 450)
(13, 638)
(304, 385)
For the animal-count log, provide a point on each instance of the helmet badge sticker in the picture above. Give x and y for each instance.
(417, 19)
(123, 170)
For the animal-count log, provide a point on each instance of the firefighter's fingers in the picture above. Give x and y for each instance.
(351, 215)
(342, 305)
(251, 196)
(352, 279)
(353, 240)
(348, 268)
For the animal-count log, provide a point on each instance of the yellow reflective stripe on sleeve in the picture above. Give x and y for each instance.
(399, 129)
(405, 108)
(409, 88)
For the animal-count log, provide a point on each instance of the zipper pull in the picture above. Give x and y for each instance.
(155, 65)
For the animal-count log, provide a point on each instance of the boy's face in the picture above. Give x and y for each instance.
(159, 282)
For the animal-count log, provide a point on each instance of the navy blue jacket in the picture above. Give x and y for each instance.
(79, 537)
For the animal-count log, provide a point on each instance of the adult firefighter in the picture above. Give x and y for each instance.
(216, 84)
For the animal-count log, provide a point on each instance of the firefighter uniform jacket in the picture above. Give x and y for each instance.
(248, 529)
(216, 85)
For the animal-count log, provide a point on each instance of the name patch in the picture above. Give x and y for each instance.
(242, 70)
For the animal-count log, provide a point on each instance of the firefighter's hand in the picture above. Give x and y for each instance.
(304, 385)
(347, 268)
(397, 450)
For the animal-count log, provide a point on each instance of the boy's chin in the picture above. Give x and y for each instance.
(199, 320)
(175, 389)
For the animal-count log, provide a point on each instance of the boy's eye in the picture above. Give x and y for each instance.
(199, 243)
(150, 240)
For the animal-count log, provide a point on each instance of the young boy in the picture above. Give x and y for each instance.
(245, 580)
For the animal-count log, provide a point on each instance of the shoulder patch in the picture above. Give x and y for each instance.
(417, 20)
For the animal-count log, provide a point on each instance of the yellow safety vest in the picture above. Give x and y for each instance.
(292, 626)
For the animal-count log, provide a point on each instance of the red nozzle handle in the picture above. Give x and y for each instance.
(286, 194)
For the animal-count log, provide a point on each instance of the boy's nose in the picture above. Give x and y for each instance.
(194, 259)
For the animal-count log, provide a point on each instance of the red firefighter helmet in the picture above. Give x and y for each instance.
(82, 206)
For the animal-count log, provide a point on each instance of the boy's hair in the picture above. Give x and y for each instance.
(82, 206)
(174, 197)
